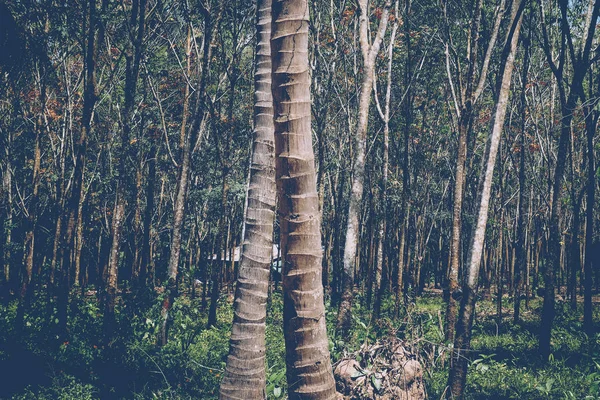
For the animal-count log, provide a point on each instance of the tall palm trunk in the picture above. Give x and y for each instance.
(309, 373)
(245, 376)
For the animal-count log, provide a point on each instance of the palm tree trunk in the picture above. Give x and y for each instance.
(245, 376)
(309, 373)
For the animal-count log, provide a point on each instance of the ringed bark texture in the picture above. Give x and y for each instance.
(309, 373)
(245, 376)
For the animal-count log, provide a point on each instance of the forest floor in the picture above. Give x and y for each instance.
(505, 363)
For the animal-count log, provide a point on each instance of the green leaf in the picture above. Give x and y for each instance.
(277, 392)
(549, 383)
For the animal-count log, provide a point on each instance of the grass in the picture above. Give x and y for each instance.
(504, 359)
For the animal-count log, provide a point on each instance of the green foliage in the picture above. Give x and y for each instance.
(504, 358)
(64, 387)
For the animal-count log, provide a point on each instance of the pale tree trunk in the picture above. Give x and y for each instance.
(309, 373)
(464, 101)
(369, 54)
(462, 342)
(385, 116)
(245, 376)
(464, 122)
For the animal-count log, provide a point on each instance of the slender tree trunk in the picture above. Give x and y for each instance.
(381, 238)
(8, 206)
(218, 265)
(403, 218)
(554, 246)
(72, 208)
(464, 122)
(500, 262)
(196, 128)
(574, 262)
(133, 57)
(457, 377)
(568, 104)
(369, 53)
(146, 258)
(31, 217)
(520, 251)
(112, 272)
(309, 373)
(591, 122)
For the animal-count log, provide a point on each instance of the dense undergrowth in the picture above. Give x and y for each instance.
(505, 363)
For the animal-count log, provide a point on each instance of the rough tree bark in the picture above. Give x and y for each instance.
(245, 376)
(309, 373)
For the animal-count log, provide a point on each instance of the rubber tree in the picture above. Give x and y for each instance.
(245, 376)
(133, 57)
(521, 250)
(465, 93)
(190, 139)
(457, 377)
(379, 279)
(580, 59)
(591, 123)
(71, 213)
(308, 366)
(369, 53)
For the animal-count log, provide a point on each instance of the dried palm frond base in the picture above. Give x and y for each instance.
(385, 370)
